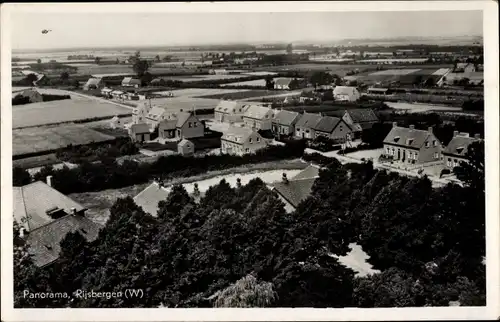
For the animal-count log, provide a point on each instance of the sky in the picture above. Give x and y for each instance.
(171, 29)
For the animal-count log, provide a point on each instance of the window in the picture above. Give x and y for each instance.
(341, 129)
(388, 151)
(415, 156)
(393, 151)
(448, 163)
(410, 155)
(190, 124)
(250, 140)
(426, 144)
(247, 150)
(258, 139)
(434, 143)
(298, 130)
(436, 155)
(195, 124)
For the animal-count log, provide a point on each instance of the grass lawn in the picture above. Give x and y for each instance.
(74, 109)
(34, 162)
(39, 139)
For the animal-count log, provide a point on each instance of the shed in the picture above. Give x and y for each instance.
(115, 122)
(185, 147)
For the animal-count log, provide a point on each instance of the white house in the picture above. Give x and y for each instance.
(241, 140)
(346, 93)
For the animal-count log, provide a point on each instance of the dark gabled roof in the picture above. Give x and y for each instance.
(458, 145)
(327, 124)
(312, 171)
(362, 115)
(294, 191)
(32, 201)
(44, 242)
(167, 125)
(182, 118)
(140, 128)
(308, 120)
(284, 117)
(409, 138)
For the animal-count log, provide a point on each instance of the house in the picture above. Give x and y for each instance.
(33, 95)
(286, 83)
(411, 146)
(464, 68)
(106, 92)
(283, 122)
(140, 112)
(360, 119)
(185, 147)
(346, 93)
(140, 132)
(456, 150)
(45, 217)
(131, 82)
(258, 117)
(93, 83)
(230, 111)
(295, 190)
(155, 115)
(182, 125)
(241, 140)
(377, 91)
(333, 128)
(157, 82)
(304, 128)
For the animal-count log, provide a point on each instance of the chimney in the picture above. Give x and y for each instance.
(477, 136)
(21, 232)
(49, 181)
(394, 124)
(412, 127)
(455, 133)
(73, 211)
(430, 129)
(284, 178)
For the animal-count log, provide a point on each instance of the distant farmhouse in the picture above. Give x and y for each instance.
(346, 93)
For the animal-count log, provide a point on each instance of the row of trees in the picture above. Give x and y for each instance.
(237, 247)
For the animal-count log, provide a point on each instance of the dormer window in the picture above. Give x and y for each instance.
(258, 139)
(434, 143)
(409, 141)
(427, 144)
(250, 140)
(460, 149)
(396, 138)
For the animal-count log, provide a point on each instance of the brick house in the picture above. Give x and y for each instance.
(304, 128)
(360, 119)
(456, 151)
(283, 122)
(409, 146)
(333, 128)
(182, 125)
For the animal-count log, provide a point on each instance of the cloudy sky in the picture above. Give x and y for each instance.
(164, 29)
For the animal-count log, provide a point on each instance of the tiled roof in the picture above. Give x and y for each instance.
(326, 124)
(295, 191)
(156, 113)
(230, 107)
(284, 117)
(312, 171)
(32, 201)
(308, 120)
(140, 128)
(44, 242)
(167, 125)
(131, 80)
(458, 145)
(237, 134)
(149, 198)
(344, 90)
(407, 137)
(257, 112)
(182, 117)
(184, 142)
(362, 115)
(93, 81)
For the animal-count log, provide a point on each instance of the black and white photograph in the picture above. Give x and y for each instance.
(208, 159)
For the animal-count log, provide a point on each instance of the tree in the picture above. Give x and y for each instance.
(472, 171)
(38, 61)
(157, 58)
(146, 78)
(140, 67)
(20, 177)
(269, 83)
(289, 49)
(97, 60)
(247, 293)
(64, 76)
(31, 78)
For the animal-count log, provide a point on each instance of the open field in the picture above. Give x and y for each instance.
(39, 139)
(34, 162)
(244, 94)
(199, 92)
(418, 108)
(256, 83)
(75, 109)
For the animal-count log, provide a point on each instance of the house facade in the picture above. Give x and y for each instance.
(333, 128)
(408, 146)
(456, 151)
(230, 111)
(185, 147)
(304, 128)
(139, 113)
(241, 141)
(179, 126)
(283, 122)
(140, 132)
(258, 117)
(346, 93)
